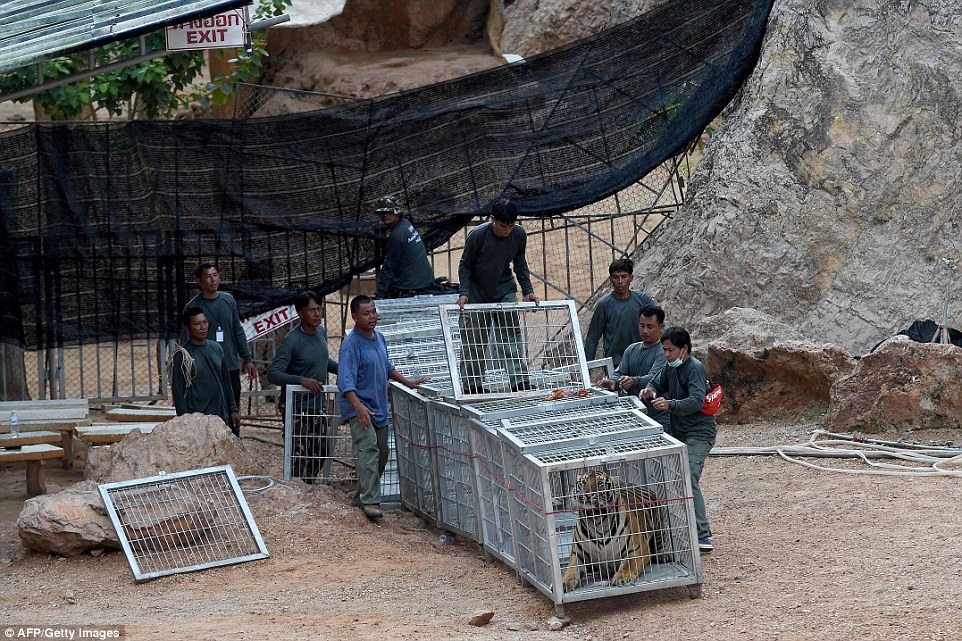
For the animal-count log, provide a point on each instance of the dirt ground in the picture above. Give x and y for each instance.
(800, 554)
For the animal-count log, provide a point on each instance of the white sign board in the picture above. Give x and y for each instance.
(256, 326)
(214, 32)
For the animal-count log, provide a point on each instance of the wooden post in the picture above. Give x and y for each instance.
(217, 65)
(35, 484)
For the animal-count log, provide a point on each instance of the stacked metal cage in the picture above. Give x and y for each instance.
(504, 464)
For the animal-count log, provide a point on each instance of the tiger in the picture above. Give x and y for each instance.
(619, 527)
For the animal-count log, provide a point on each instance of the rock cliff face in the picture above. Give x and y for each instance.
(830, 197)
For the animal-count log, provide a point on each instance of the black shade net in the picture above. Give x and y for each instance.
(104, 223)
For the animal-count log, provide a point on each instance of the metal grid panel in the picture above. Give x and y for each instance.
(315, 446)
(494, 515)
(504, 344)
(415, 463)
(498, 408)
(527, 434)
(183, 522)
(654, 490)
(454, 472)
(399, 310)
(558, 411)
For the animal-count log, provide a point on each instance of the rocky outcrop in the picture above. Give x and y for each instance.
(830, 195)
(901, 385)
(186, 442)
(371, 48)
(767, 369)
(67, 523)
(536, 26)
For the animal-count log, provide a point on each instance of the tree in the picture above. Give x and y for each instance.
(153, 89)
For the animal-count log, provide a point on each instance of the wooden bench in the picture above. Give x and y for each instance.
(140, 415)
(107, 434)
(62, 415)
(33, 455)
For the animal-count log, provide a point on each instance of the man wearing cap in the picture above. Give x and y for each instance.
(406, 270)
(491, 250)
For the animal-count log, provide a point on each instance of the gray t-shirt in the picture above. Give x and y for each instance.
(210, 391)
(616, 320)
(643, 364)
(406, 264)
(485, 268)
(222, 312)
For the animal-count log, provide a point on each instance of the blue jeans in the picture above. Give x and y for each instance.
(698, 450)
(371, 444)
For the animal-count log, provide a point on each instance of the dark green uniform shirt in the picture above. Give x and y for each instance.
(302, 355)
(406, 264)
(222, 312)
(617, 320)
(685, 387)
(209, 391)
(643, 364)
(485, 267)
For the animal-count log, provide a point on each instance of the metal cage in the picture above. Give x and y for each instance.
(415, 456)
(505, 348)
(182, 522)
(549, 500)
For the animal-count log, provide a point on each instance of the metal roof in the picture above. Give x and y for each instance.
(34, 31)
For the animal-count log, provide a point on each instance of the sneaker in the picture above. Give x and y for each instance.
(372, 511)
(704, 545)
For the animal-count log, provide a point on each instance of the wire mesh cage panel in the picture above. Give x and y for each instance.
(513, 347)
(495, 409)
(183, 522)
(555, 411)
(416, 478)
(531, 432)
(315, 446)
(568, 501)
(495, 526)
(454, 472)
(413, 308)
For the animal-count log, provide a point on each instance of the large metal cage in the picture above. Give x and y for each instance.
(649, 488)
(506, 348)
(415, 456)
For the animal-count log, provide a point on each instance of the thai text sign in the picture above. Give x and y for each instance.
(214, 32)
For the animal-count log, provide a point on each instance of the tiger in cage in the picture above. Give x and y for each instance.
(620, 530)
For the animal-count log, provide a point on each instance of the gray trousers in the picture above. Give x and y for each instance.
(697, 453)
(371, 445)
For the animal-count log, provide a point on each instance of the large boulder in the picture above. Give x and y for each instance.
(828, 197)
(186, 442)
(767, 369)
(67, 523)
(901, 385)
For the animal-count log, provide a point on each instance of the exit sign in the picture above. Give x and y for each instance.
(214, 32)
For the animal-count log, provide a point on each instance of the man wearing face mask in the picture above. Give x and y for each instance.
(680, 389)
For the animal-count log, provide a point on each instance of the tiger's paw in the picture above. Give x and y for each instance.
(622, 578)
(571, 580)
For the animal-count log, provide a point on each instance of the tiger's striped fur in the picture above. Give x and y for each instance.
(620, 530)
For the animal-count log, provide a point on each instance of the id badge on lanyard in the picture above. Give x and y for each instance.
(219, 336)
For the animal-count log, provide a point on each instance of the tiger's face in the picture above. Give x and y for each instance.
(596, 490)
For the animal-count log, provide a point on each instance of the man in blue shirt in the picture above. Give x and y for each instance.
(362, 375)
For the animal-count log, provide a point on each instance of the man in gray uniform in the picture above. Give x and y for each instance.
(199, 378)
(303, 359)
(406, 270)
(642, 362)
(220, 308)
(616, 315)
(485, 274)
(680, 389)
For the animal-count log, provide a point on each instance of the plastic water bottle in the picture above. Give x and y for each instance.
(447, 538)
(14, 428)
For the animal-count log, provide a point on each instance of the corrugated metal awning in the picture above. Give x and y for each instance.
(32, 31)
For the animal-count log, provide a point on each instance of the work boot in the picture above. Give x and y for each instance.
(372, 511)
